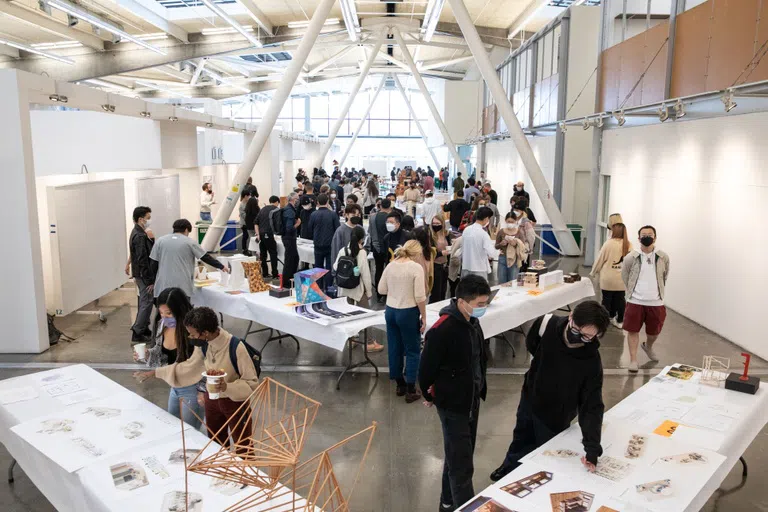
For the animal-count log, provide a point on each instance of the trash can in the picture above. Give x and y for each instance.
(550, 237)
(228, 242)
(202, 229)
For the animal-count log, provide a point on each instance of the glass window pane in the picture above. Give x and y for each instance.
(380, 109)
(420, 106)
(345, 129)
(415, 129)
(285, 113)
(379, 128)
(336, 104)
(399, 129)
(319, 126)
(363, 130)
(359, 106)
(298, 107)
(318, 107)
(556, 49)
(298, 125)
(397, 107)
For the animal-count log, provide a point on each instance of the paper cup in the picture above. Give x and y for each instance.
(140, 349)
(213, 380)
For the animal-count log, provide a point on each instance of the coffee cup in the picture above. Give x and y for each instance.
(213, 380)
(140, 349)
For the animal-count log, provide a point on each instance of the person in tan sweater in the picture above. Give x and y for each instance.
(412, 197)
(608, 267)
(212, 353)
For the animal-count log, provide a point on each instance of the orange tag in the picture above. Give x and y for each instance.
(535, 292)
(666, 429)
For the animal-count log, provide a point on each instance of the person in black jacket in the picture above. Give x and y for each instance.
(323, 224)
(252, 210)
(143, 271)
(291, 226)
(307, 208)
(565, 380)
(456, 208)
(267, 243)
(452, 377)
(395, 237)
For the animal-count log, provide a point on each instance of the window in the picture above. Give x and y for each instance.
(379, 128)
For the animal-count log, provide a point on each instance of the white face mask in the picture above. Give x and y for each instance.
(429, 199)
(390, 227)
(147, 223)
(333, 196)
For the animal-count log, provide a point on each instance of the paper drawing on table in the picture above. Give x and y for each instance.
(666, 429)
(55, 425)
(174, 502)
(87, 447)
(14, 395)
(128, 476)
(654, 491)
(177, 457)
(525, 486)
(635, 446)
(226, 487)
(574, 501)
(103, 412)
(561, 453)
(156, 467)
(475, 504)
(132, 430)
(484, 504)
(59, 388)
(612, 469)
(686, 458)
(78, 396)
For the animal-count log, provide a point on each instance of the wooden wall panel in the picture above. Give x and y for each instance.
(733, 41)
(760, 72)
(632, 67)
(609, 86)
(656, 45)
(690, 55)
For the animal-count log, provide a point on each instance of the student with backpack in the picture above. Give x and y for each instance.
(353, 275)
(216, 349)
(267, 243)
(287, 223)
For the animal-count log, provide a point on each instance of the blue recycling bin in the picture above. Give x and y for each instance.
(228, 242)
(549, 236)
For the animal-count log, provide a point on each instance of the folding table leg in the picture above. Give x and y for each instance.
(365, 361)
(13, 465)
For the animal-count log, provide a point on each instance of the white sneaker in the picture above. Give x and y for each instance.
(632, 367)
(649, 352)
(616, 324)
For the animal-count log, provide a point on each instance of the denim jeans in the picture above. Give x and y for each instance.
(530, 433)
(403, 340)
(323, 260)
(459, 435)
(505, 274)
(189, 395)
(206, 217)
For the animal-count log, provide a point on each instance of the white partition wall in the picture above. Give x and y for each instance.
(161, 194)
(88, 243)
(703, 184)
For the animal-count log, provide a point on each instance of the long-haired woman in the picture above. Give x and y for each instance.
(608, 266)
(426, 259)
(441, 239)
(370, 195)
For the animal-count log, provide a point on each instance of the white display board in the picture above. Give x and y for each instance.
(402, 164)
(161, 194)
(376, 166)
(88, 242)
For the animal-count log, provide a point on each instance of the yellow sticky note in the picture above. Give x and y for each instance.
(666, 429)
(235, 188)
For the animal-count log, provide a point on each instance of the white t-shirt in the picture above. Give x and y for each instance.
(646, 290)
(206, 200)
(477, 249)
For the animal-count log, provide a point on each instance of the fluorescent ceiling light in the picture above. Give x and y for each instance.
(226, 17)
(30, 49)
(223, 30)
(431, 18)
(79, 13)
(349, 13)
(58, 45)
(305, 24)
(156, 87)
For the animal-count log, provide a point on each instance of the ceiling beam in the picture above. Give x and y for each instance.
(384, 55)
(258, 16)
(441, 63)
(151, 12)
(330, 60)
(488, 35)
(170, 70)
(50, 25)
(525, 17)
(7, 51)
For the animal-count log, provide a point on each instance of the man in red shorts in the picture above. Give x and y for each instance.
(644, 274)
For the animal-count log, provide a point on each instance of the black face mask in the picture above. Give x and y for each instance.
(647, 241)
(356, 220)
(436, 228)
(197, 342)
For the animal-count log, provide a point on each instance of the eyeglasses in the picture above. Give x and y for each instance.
(584, 338)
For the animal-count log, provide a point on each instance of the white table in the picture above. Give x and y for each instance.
(276, 315)
(90, 489)
(640, 413)
(513, 306)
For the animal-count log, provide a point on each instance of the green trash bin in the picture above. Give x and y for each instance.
(202, 229)
(576, 230)
(549, 236)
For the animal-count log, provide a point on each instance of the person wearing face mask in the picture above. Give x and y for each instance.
(307, 204)
(411, 196)
(396, 236)
(171, 346)
(213, 350)
(452, 376)
(526, 231)
(334, 203)
(565, 380)
(206, 201)
(353, 216)
(520, 191)
(478, 248)
(291, 225)
(142, 270)
(513, 250)
(323, 223)
(644, 274)
(441, 239)
(431, 207)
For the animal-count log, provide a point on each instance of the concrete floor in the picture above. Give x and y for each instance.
(403, 470)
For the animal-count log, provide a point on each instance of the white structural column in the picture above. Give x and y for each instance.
(216, 231)
(362, 121)
(424, 92)
(22, 294)
(345, 110)
(418, 123)
(564, 237)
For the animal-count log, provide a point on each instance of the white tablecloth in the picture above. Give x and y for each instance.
(641, 412)
(513, 306)
(85, 489)
(306, 250)
(276, 314)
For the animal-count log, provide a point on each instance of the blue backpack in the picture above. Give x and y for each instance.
(254, 354)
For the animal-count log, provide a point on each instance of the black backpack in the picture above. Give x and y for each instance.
(276, 221)
(254, 354)
(345, 271)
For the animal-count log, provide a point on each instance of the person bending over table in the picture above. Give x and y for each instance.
(212, 352)
(172, 346)
(452, 375)
(565, 380)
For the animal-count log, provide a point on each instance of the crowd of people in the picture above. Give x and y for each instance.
(422, 250)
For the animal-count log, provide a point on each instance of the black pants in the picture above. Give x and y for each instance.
(530, 433)
(380, 258)
(440, 285)
(367, 209)
(453, 285)
(291, 263)
(268, 247)
(459, 435)
(323, 260)
(615, 303)
(246, 239)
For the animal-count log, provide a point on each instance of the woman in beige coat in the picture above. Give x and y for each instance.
(608, 267)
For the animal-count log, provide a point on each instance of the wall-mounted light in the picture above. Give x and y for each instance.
(679, 109)
(209, 125)
(173, 119)
(620, 117)
(663, 113)
(145, 114)
(563, 126)
(58, 98)
(585, 124)
(727, 100)
(107, 107)
(599, 122)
